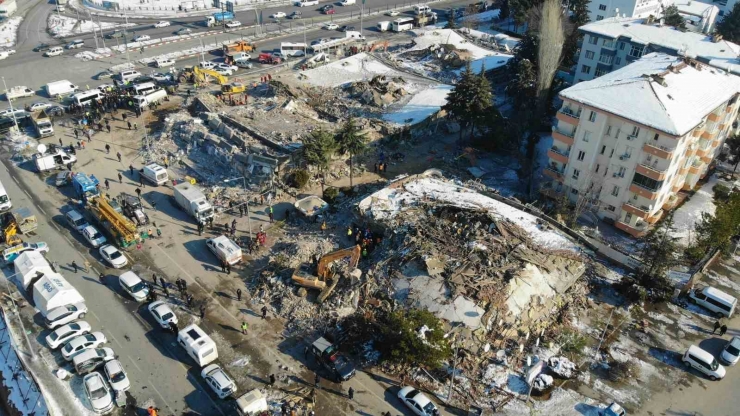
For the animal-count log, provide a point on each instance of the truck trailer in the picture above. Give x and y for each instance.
(190, 198)
(218, 18)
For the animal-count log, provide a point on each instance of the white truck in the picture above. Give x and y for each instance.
(42, 122)
(60, 88)
(53, 160)
(252, 403)
(145, 100)
(384, 26)
(19, 92)
(225, 249)
(192, 200)
(306, 3)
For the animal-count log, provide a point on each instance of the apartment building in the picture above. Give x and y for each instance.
(614, 43)
(603, 9)
(631, 139)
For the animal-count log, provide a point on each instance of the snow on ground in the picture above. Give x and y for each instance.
(426, 38)
(21, 385)
(487, 34)
(388, 202)
(360, 67)
(690, 212)
(9, 31)
(421, 105)
(486, 16)
(562, 403)
(61, 26)
(489, 62)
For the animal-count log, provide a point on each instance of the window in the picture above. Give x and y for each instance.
(615, 191)
(603, 149)
(611, 153)
(589, 55)
(600, 71)
(574, 191)
(636, 50)
(592, 116)
(635, 131)
(597, 168)
(606, 59)
(628, 217)
(581, 155)
(593, 40)
(649, 157)
(608, 43)
(621, 171)
(656, 136)
(608, 130)
(621, 46)
(611, 208)
(618, 60)
(586, 136)
(586, 69)
(602, 6)
(599, 17)
(576, 173)
(647, 183)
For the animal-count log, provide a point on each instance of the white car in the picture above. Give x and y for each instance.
(162, 314)
(161, 77)
(223, 71)
(67, 332)
(417, 401)
(38, 106)
(142, 38)
(65, 314)
(234, 23)
(9, 51)
(392, 13)
(331, 26)
(12, 253)
(227, 66)
(134, 286)
(117, 376)
(82, 343)
(731, 353)
(163, 23)
(93, 236)
(98, 393)
(278, 15)
(105, 87)
(219, 381)
(112, 256)
(207, 65)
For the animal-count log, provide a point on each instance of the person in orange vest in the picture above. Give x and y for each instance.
(152, 411)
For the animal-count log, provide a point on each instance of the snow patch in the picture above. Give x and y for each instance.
(688, 214)
(426, 38)
(421, 105)
(62, 26)
(360, 67)
(9, 32)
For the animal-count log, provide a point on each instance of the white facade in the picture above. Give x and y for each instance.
(602, 9)
(700, 17)
(632, 139)
(611, 44)
(7, 8)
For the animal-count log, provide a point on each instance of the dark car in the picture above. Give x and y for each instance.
(346, 28)
(41, 47)
(56, 110)
(104, 75)
(327, 7)
(332, 360)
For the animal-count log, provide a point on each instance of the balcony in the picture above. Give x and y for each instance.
(655, 217)
(729, 108)
(563, 137)
(702, 152)
(696, 167)
(641, 211)
(644, 192)
(707, 135)
(638, 230)
(554, 173)
(699, 130)
(722, 126)
(569, 116)
(650, 172)
(712, 117)
(671, 202)
(659, 151)
(707, 159)
(558, 155)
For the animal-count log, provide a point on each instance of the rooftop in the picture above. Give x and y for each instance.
(659, 91)
(695, 8)
(721, 54)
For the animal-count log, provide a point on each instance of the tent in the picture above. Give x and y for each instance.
(52, 291)
(28, 265)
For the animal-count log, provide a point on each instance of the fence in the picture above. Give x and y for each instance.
(20, 391)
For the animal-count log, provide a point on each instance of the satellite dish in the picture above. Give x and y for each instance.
(41, 148)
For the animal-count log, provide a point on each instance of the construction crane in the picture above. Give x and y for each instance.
(203, 74)
(116, 223)
(303, 275)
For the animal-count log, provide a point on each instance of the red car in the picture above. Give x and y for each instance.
(329, 11)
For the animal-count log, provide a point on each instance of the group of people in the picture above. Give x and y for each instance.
(366, 239)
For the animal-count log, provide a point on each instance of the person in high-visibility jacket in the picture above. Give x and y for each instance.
(152, 411)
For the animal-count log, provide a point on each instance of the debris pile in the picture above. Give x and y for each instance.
(562, 367)
(379, 91)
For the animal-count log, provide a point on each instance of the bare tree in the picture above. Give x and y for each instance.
(572, 205)
(549, 51)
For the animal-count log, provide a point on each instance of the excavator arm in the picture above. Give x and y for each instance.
(353, 253)
(201, 74)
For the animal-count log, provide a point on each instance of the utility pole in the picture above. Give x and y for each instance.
(10, 102)
(102, 37)
(95, 36)
(362, 13)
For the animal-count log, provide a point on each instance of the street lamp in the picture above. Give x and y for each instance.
(10, 102)
(249, 215)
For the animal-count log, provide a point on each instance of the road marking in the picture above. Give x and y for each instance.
(160, 396)
(134, 363)
(95, 316)
(42, 211)
(27, 194)
(249, 333)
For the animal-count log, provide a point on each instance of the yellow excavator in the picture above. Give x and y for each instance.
(202, 75)
(116, 223)
(303, 275)
(233, 88)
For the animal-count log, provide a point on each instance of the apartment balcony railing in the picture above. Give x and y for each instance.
(640, 211)
(643, 191)
(652, 172)
(662, 152)
(558, 155)
(563, 136)
(713, 117)
(567, 115)
(554, 173)
(638, 230)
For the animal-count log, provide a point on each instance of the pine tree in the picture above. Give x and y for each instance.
(481, 101)
(318, 148)
(578, 18)
(350, 141)
(659, 253)
(729, 26)
(672, 18)
(451, 23)
(459, 99)
(733, 149)
(504, 10)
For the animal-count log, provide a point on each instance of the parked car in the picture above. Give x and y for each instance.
(161, 77)
(227, 66)
(162, 314)
(142, 38)
(223, 71)
(295, 15)
(56, 110)
(234, 23)
(207, 64)
(12, 253)
(731, 353)
(184, 31)
(330, 11)
(98, 393)
(63, 178)
(331, 26)
(115, 34)
(346, 28)
(65, 314)
(88, 360)
(417, 401)
(66, 333)
(41, 47)
(76, 44)
(93, 236)
(704, 362)
(112, 256)
(218, 381)
(278, 15)
(392, 13)
(328, 355)
(162, 23)
(134, 286)
(82, 343)
(327, 7)
(116, 375)
(38, 106)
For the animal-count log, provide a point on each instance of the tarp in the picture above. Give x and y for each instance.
(28, 264)
(53, 291)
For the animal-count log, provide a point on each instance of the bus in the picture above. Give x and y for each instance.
(87, 97)
(403, 24)
(288, 49)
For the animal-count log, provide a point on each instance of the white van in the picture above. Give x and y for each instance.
(164, 62)
(54, 51)
(76, 220)
(87, 97)
(384, 26)
(155, 174)
(197, 344)
(144, 88)
(422, 9)
(714, 300)
(348, 2)
(129, 75)
(704, 362)
(225, 249)
(5, 203)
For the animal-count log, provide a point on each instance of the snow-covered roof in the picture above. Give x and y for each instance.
(696, 8)
(675, 106)
(691, 44)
